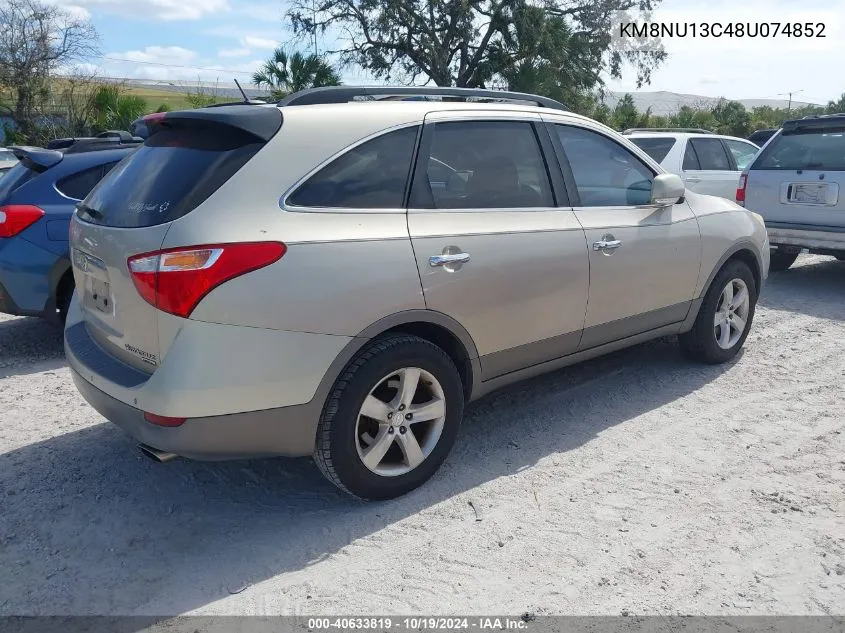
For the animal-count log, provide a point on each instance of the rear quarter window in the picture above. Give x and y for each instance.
(372, 175)
(809, 150)
(657, 147)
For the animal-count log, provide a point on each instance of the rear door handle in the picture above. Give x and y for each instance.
(446, 259)
(607, 245)
(693, 179)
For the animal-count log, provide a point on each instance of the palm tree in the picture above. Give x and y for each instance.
(284, 73)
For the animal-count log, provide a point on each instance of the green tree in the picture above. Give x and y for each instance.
(114, 109)
(836, 107)
(625, 114)
(549, 45)
(37, 38)
(732, 118)
(286, 73)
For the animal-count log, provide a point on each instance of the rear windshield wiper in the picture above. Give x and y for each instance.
(84, 208)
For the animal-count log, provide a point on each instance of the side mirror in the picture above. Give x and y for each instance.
(666, 189)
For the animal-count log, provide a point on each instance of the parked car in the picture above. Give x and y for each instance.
(334, 279)
(7, 160)
(37, 198)
(707, 163)
(797, 183)
(760, 137)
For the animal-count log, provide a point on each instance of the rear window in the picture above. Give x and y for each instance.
(656, 146)
(814, 150)
(17, 176)
(172, 173)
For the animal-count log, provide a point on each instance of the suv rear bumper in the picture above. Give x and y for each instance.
(287, 431)
(802, 236)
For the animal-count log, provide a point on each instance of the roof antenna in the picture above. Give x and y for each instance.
(246, 99)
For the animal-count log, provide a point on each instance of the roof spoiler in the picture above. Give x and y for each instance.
(37, 158)
(820, 122)
(261, 121)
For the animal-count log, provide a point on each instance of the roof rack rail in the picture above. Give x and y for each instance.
(344, 94)
(684, 130)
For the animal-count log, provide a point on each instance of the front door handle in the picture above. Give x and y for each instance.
(448, 259)
(606, 245)
(692, 179)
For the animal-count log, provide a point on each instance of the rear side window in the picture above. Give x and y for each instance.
(484, 165)
(711, 154)
(80, 184)
(372, 175)
(172, 173)
(6, 155)
(743, 153)
(813, 151)
(657, 147)
(690, 159)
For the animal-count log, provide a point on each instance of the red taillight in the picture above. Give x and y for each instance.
(176, 279)
(163, 420)
(14, 218)
(740, 192)
(155, 116)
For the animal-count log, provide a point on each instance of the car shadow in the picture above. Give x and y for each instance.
(814, 286)
(29, 346)
(91, 526)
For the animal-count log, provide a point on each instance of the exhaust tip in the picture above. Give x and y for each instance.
(156, 455)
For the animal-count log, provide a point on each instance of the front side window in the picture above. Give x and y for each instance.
(743, 153)
(484, 165)
(372, 175)
(606, 174)
(711, 154)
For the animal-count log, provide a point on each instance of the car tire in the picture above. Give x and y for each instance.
(715, 336)
(781, 260)
(378, 457)
(64, 300)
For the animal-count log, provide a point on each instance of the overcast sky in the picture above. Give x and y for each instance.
(176, 40)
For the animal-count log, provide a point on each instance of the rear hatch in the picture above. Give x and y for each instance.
(799, 176)
(186, 158)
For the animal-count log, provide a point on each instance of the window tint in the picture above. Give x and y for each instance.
(173, 172)
(690, 159)
(372, 175)
(80, 184)
(804, 151)
(606, 174)
(657, 146)
(484, 165)
(743, 153)
(711, 154)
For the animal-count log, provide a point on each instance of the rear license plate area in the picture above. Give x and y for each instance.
(811, 193)
(100, 295)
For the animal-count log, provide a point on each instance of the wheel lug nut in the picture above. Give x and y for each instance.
(401, 407)
(402, 429)
(409, 416)
(390, 430)
(389, 415)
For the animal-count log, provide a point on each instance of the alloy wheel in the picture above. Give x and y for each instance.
(400, 422)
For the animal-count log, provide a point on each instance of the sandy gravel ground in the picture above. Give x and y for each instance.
(636, 482)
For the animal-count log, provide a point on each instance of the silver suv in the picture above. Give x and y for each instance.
(797, 183)
(339, 278)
